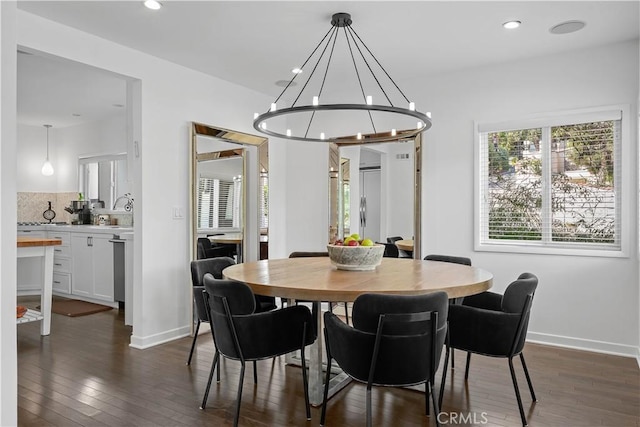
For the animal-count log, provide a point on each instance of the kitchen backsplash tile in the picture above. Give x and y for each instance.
(31, 206)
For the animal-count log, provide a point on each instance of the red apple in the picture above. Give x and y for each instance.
(353, 243)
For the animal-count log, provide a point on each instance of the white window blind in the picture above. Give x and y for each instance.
(218, 203)
(551, 185)
(264, 201)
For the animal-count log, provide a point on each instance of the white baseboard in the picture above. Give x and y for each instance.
(157, 339)
(584, 344)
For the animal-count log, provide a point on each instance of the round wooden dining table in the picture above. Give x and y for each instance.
(316, 279)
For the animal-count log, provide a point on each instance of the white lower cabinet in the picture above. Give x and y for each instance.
(92, 271)
(61, 262)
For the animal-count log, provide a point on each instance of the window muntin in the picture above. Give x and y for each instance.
(553, 185)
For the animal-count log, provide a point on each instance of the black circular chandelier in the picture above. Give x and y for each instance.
(348, 115)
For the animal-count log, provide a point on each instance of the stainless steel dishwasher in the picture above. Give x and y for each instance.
(118, 270)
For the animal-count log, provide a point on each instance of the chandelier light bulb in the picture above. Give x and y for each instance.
(255, 116)
(315, 101)
(296, 70)
(273, 106)
(428, 114)
(412, 106)
(359, 135)
(321, 135)
(419, 125)
(152, 4)
(369, 100)
(263, 125)
(393, 132)
(288, 132)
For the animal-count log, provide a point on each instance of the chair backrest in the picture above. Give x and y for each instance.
(408, 350)
(390, 250)
(224, 299)
(199, 268)
(515, 295)
(205, 242)
(518, 298)
(448, 258)
(299, 254)
(394, 239)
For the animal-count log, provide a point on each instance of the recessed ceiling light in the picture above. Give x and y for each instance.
(296, 70)
(567, 27)
(510, 25)
(153, 4)
(76, 114)
(118, 105)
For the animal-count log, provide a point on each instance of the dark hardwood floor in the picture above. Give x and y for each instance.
(85, 374)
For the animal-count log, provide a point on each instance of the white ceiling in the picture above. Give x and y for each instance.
(255, 44)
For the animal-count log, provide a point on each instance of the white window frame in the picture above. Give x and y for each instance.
(623, 187)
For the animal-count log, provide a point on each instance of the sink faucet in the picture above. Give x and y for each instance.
(128, 207)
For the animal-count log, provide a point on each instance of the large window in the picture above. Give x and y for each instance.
(551, 182)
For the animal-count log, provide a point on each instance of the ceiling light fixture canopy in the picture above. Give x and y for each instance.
(371, 109)
(47, 167)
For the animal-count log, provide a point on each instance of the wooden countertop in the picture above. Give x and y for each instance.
(26, 242)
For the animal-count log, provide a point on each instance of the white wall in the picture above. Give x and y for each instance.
(584, 302)
(8, 215)
(66, 146)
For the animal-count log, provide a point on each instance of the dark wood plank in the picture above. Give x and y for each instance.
(85, 374)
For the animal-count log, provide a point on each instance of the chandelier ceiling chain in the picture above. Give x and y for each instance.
(291, 116)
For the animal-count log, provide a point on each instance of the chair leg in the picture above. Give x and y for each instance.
(515, 387)
(305, 381)
(326, 390)
(368, 415)
(255, 372)
(466, 370)
(218, 369)
(427, 395)
(193, 343)
(216, 362)
(444, 373)
(453, 360)
(346, 311)
(436, 406)
(239, 399)
(526, 374)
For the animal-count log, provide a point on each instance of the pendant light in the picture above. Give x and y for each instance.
(373, 109)
(47, 168)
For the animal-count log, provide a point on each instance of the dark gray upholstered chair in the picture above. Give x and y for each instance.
(395, 340)
(401, 253)
(214, 266)
(496, 325)
(390, 250)
(208, 250)
(199, 268)
(241, 334)
(303, 254)
(448, 258)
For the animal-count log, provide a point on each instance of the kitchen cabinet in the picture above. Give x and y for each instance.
(61, 262)
(29, 272)
(92, 271)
